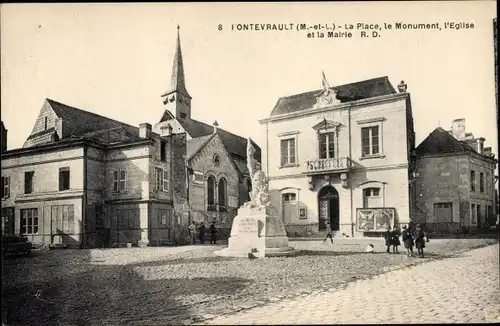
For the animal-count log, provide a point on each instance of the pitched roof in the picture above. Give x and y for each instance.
(439, 142)
(234, 144)
(196, 144)
(79, 122)
(345, 93)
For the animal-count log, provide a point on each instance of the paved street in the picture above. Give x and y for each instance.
(463, 289)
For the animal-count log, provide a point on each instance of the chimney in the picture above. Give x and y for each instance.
(145, 130)
(402, 87)
(215, 124)
(480, 145)
(458, 128)
(487, 151)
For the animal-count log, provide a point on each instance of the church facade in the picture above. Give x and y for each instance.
(341, 156)
(219, 180)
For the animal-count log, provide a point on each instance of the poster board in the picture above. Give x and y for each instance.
(374, 219)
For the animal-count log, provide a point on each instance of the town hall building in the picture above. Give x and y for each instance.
(341, 156)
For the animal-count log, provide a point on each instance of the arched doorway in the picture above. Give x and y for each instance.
(328, 208)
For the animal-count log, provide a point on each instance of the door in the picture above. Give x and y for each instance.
(328, 208)
(289, 208)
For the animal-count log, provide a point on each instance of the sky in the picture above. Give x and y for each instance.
(116, 60)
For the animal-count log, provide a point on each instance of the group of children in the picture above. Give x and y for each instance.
(411, 237)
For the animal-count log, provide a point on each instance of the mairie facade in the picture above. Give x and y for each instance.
(343, 156)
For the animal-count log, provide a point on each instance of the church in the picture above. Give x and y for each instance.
(85, 180)
(219, 180)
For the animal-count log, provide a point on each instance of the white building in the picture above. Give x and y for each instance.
(341, 155)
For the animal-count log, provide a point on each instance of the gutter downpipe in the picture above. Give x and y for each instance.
(350, 177)
(84, 200)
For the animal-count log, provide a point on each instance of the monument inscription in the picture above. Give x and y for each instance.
(248, 225)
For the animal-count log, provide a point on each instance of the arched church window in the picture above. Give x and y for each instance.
(211, 194)
(222, 195)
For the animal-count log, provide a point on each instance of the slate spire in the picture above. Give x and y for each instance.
(178, 83)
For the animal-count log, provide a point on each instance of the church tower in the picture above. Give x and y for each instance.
(177, 99)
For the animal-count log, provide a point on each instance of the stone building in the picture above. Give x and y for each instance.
(82, 179)
(454, 181)
(341, 155)
(219, 179)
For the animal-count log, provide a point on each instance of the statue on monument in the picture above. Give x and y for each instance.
(259, 196)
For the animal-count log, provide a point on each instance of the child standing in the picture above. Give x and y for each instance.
(387, 237)
(395, 240)
(408, 241)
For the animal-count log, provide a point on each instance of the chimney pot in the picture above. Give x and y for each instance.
(215, 124)
(145, 130)
(402, 87)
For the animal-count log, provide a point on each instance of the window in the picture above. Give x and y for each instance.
(28, 182)
(211, 193)
(45, 123)
(222, 195)
(5, 187)
(473, 218)
(165, 217)
(288, 152)
(327, 145)
(371, 197)
(163, 150)
(64, 179)
(119, 180)
(29, 221)
(478, 212)
(443, 212)
(472, 181)
(161, 179)
(370, 140)
(481, 182)
(289, 197)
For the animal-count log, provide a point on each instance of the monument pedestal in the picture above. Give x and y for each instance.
(260, 232)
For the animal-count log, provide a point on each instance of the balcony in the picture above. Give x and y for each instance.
(328, 165)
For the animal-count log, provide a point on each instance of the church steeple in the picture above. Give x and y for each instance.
(177, 99)
(178, 82)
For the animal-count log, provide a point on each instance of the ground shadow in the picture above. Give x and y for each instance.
(80, 293)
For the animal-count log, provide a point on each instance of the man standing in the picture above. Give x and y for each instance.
(192, 232)
(328, 232)
(202, 233)
(213, 233)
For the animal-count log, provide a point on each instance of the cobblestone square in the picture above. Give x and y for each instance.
(323, 284)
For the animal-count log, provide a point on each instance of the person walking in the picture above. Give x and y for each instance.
(420, 236)
(201, 229)
(328, 233)
(395, 240)
(213, 233)
(407, 240)
(388, 238)
(192, 232)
